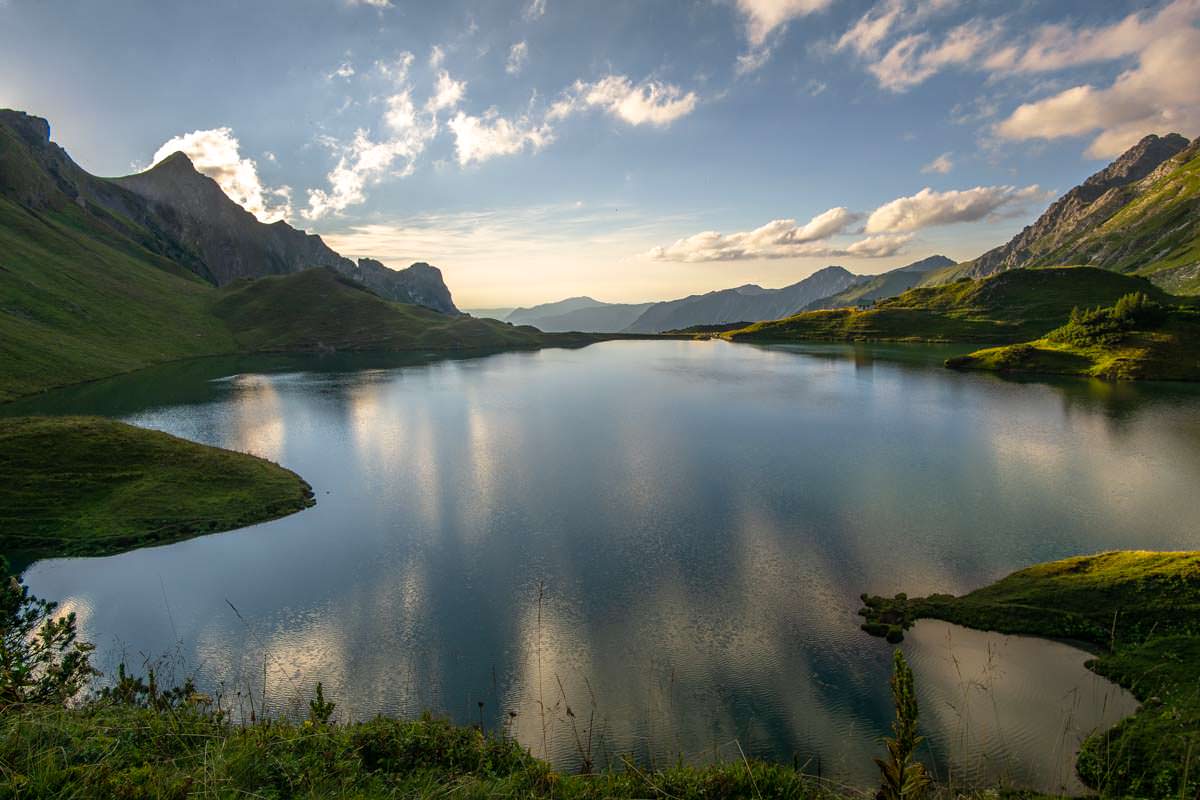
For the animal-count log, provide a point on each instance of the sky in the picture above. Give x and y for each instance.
(629, 150)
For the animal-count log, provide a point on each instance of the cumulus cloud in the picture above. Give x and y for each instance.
(941, 165)
(648, 102)
(216, 153)
(1160, 94)
(477, 139)
(536, 9)
(372, 3)
(928, 208)
(517, 55)
(436, 56)
(781, 238)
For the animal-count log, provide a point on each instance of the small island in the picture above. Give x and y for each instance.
(87, 486)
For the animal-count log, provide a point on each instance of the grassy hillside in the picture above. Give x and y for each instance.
(338, 314)
(76, 304)
(1141, 612)
(1137, 338)
(91, 486)
(1010, 307)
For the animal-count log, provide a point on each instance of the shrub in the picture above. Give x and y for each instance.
(40, 659)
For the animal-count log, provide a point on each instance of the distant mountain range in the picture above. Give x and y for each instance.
(830, 287)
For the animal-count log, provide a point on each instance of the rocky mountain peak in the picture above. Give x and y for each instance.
(1138, 161)
(35, 131)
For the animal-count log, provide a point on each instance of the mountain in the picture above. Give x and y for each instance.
(531, 315)
(879, 287)
(1139, 215)
(97, 278)
(747, 302)
(175, 211)
(1014, 306)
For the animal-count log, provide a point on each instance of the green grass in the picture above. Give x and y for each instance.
(338, 314)
(114, 751)
(1010, 307)
(1169, 351)
(1140, 611)
(76, 305)
(91, 486)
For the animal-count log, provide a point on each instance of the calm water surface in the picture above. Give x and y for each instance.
(700, 518)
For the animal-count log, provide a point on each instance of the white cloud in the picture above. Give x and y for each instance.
(477, 139)
(1159, 95)
(517, 56)
(781, 238)
(928, 208)
(364, 160)
(436, 56)
(372, 3)
(345, 70)
(753, 60)
(762, 17)
(215, 153)
(916, 57)
(883, 246)
(396, 70)
(1056, 47)
(536, 9)
(941, 165)
(648, 102)
(447, 92)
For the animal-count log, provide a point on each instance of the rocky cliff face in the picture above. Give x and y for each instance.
(1049, 241)
(174, 211)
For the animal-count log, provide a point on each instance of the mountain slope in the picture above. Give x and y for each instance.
(342, 315)
(174, 211)
(1139, 215)
(879, 287)
(602, 318)
(1013, 306)
(93, 282)
(533, 314)
(743, 303)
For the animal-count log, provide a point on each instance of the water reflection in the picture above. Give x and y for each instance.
(702, 517)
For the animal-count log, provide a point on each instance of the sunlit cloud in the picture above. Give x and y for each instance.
(928, 208)
(216, 153)
(781, 238)
(941, 165)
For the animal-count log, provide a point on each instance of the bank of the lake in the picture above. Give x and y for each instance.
(88, 486)
(1140, 611)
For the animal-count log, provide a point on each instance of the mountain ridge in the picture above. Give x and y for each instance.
(1138, 215)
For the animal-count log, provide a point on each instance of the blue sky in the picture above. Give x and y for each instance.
(536, 149)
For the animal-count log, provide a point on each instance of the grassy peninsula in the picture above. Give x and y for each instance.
(75, 486)
(1134, 339)
(1140, 612)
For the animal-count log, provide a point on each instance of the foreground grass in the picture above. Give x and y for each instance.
(116, 751)
(1140, 611)
(91, 486)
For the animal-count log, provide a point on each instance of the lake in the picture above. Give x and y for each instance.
(668, 538)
